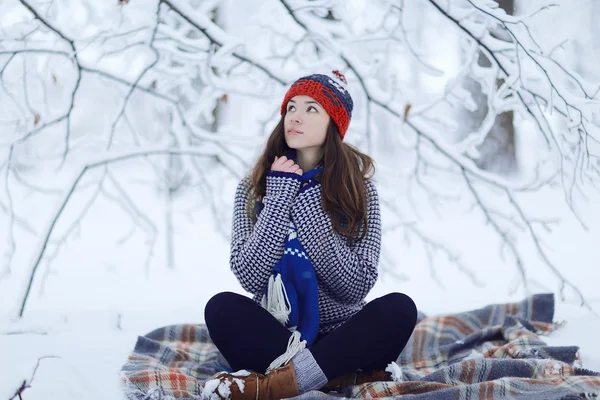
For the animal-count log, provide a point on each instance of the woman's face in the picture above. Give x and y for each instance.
(305, 124)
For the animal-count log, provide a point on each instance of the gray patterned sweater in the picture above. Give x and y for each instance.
(345, 271)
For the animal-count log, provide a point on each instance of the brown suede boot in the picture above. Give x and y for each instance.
(358, 378)
(278, 384)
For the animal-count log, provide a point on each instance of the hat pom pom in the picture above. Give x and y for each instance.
(340, 77)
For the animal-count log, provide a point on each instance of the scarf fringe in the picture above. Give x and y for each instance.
(276, 301)
(295, 346)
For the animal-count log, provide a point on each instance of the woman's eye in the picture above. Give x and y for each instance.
(290, 108)
(311, 107)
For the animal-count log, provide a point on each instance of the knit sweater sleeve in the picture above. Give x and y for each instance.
(256, 248)
(348, 270)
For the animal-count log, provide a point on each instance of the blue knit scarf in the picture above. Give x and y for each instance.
(296, 272)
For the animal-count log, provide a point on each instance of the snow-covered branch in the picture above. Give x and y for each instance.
(68, 113)
(227, 44)
(506, 58)
(187, 82)
(100, 161)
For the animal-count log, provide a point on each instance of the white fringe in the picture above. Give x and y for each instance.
(276, 300)
(295, 345)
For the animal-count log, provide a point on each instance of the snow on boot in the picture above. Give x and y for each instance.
(277, 384)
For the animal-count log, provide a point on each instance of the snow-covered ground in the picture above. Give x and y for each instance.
(92, 345)
(97, 297)
(107, 282)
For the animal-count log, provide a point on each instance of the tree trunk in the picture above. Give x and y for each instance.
(497, 152)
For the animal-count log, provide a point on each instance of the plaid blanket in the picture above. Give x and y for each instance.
(490, 353)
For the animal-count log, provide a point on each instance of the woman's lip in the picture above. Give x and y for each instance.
(294, 132)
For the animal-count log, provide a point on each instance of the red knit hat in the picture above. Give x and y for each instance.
(330, 91)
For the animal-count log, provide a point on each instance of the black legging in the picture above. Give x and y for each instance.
(249, 337)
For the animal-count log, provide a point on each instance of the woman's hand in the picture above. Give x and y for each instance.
(282, 164)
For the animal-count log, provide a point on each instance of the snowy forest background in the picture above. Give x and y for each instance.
(126, 125)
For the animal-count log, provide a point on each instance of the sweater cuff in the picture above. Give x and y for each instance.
(282, 183)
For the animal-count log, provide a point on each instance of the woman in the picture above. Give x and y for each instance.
(306, 242)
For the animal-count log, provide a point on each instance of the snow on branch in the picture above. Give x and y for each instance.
(538, 93)
(226, 43)
(100, 161)
(158, 82)
(67, 115)
(48, 128)
(519, 59)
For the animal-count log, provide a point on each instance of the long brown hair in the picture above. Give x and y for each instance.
(345, 171)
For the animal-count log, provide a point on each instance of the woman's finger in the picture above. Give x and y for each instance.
(277, 163)
(280, 161)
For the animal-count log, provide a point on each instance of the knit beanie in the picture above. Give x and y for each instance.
(330, 91)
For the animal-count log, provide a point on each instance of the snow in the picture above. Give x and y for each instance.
(89, 305)
(210, 388)
(240, 384)
(241, 373)
(223, 389)
(215, 389)
(91, 320)
(395, 370)
(105, 273)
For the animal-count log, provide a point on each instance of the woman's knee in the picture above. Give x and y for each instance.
(219, 305)
(398, 307)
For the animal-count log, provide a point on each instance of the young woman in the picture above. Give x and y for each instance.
(306, 242)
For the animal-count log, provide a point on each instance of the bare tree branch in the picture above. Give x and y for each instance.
(101, 161)
(192, 64)
(67, 116)
(27, 384)
(502, 233)
(59, 242)
(216, 35)
(129, 206)
(10, 237)
(139, 78)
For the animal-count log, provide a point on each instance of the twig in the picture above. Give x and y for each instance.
(212, 31)
(67, 116)
(102, 161)
(10, 250)
(27, 384)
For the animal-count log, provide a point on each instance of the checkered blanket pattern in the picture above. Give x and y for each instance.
(495, 352)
